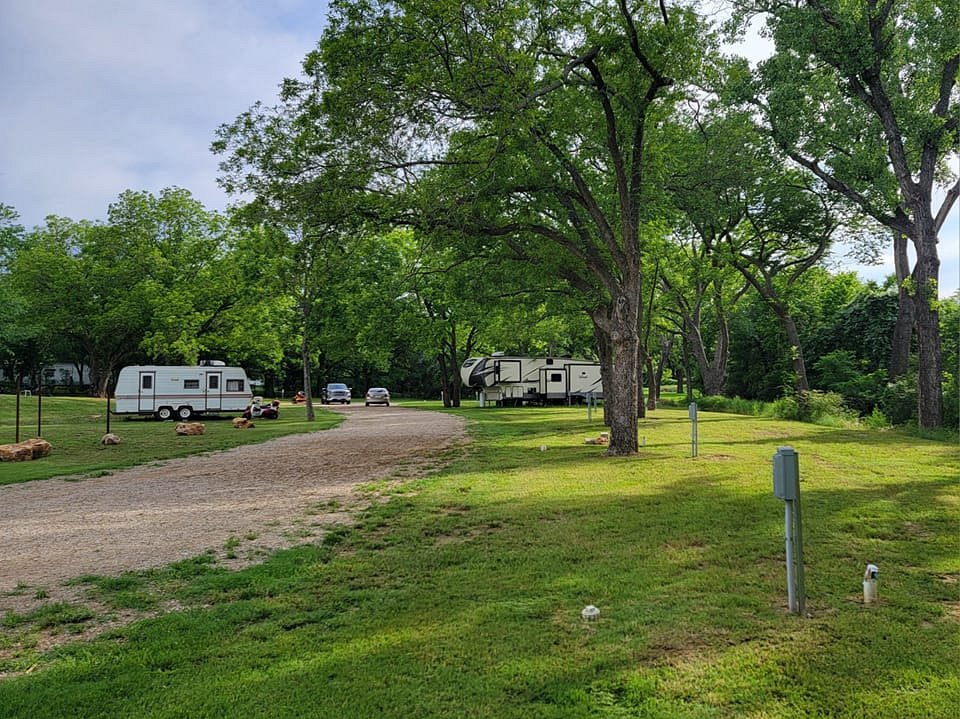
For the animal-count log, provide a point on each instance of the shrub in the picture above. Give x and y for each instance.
(736, 405)
(951, 401)
(876, 419)
(899, 400)
(817, 406)
(787, 407)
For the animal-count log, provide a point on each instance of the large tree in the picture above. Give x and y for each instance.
(156, 281)
(542, 116)
(864, 95)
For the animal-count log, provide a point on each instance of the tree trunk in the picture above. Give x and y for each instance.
(930, 373)
(95, 374)
(307, 381)
(796, 350)
(606, 366)
(713, 373)
(622, 398)
(444, 378)
(619, 323)
(903, 330)
(653, 387)
(666, 346)
(687, 371)
(641, 381)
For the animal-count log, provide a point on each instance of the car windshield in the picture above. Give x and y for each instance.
(336, 386)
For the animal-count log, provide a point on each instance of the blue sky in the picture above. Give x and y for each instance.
(101, 96)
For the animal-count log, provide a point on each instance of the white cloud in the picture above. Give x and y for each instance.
(99, 97)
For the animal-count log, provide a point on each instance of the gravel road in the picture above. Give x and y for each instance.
(264, 496)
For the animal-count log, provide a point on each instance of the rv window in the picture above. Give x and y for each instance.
(191, 384)
(556, 377)
(147, 381)
(234, 385)
(213, 381)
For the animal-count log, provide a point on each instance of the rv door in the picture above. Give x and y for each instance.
(214, 390)
(553, 383)
(146, 391)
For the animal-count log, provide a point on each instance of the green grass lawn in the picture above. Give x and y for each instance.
(460, 596)
(74, 426)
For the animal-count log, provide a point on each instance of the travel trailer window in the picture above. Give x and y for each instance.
(147, 381)
(191, 384)
(556, 377)
(234, 385)
(214, 381)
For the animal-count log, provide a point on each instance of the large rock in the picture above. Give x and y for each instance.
(39, 446)
(28, 449)
(109, 439)
(188, 428)
(242, 423)
(15, 453)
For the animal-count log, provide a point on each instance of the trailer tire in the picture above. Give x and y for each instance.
(184, 413)
(165, 413)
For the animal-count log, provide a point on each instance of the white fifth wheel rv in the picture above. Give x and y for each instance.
(181, 392)
(503, 380)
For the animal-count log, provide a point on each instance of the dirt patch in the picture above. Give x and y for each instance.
(242, 503)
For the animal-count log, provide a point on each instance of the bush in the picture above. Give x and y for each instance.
(876, 420)
(814, 406)
(787, 407)
(736, 405)
(819, 406)
(899, 400)
(951, 401)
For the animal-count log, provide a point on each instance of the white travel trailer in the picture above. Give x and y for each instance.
(503, 380)
(181, 392)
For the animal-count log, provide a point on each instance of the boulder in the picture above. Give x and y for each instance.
(110, 438)
(39, 447)
(189, 428)
(15, 453)
(242, 423)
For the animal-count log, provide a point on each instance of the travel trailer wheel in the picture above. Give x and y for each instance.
(165, 413)
(184, 413)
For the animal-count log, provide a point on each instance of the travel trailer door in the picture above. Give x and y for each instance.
(553, 383)
(214, 391)
(146, 391)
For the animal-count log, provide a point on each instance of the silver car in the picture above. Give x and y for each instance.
(377, 395)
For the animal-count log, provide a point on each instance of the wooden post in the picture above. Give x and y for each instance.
(40, 403)
(19, 388)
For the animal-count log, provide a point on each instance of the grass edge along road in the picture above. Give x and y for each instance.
(460, 596)
(74, 426)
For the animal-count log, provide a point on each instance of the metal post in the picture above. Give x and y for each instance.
(786, 486)
(801, 584)
(791, 583)
(694, 440)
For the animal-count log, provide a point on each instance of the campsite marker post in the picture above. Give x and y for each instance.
(694, 440)
(786, 486)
